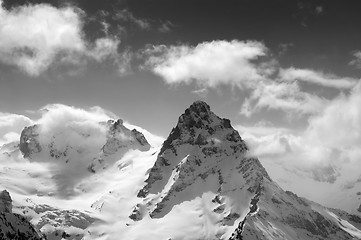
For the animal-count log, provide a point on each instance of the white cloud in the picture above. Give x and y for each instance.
(33, 37)
(104, 48)
(319, 10)
(327, 150)
(58, 115)
(317, 77)
(202, 92)
(11, 124)
(209, 64)
(75, 135)
(356, 62)
(283, 96)
(246, 65)
(128, 16)
(165, 27)
(339, 125)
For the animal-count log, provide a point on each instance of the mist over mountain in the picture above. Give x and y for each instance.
(89, 179)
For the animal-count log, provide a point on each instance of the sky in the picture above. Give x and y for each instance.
(286, 73)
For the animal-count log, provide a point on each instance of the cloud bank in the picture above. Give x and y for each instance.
(247, 65)
(11, 125)
(317, 77)
(209, 64)
(327, 150)
(70, 139)
(34, 37)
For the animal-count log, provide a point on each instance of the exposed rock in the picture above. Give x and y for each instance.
(6, 205)
(29, 142)
(57, 224)
(14, 226)
(118, 137)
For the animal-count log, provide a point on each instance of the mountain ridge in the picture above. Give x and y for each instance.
(202, 183)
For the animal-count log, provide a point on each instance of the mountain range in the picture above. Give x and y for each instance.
(202, 183)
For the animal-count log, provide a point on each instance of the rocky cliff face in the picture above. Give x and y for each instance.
(119, 139)
(118, 136)
(29, 142)
(14, 226)
(6, 205)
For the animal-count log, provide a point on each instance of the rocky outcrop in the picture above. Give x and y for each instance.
(14, 226)
(118, 137)
(6, 205)
(29, 142)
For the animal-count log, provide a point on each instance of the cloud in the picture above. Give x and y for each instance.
(33, 37)
(356, 62)
(55, 115)
(71, 139)
(316, 77)
(284, 48)
(202, 92)
(209, 64)
(103, 48)
(127, 16)
(307, 11)
(246, 65)
(11, 125)
(75, 135)
(327, 150)
(282, 96)
(339, 125)
(166, 26)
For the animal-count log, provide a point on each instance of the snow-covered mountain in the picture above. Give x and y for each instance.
(202, 183)
(204, 159)
(54, 171)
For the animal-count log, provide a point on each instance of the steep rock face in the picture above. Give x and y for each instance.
(29, 142)
(199, 134)
(5, 202)
(118, 136)
(14, 226)
(119, 139)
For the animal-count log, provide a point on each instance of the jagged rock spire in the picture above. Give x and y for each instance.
(5, 202)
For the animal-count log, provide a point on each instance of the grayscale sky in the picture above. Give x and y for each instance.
(260, 63)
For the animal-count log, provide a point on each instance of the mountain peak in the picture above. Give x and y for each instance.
(199, 107)
(201, 148)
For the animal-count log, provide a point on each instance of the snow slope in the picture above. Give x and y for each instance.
(200, 184)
